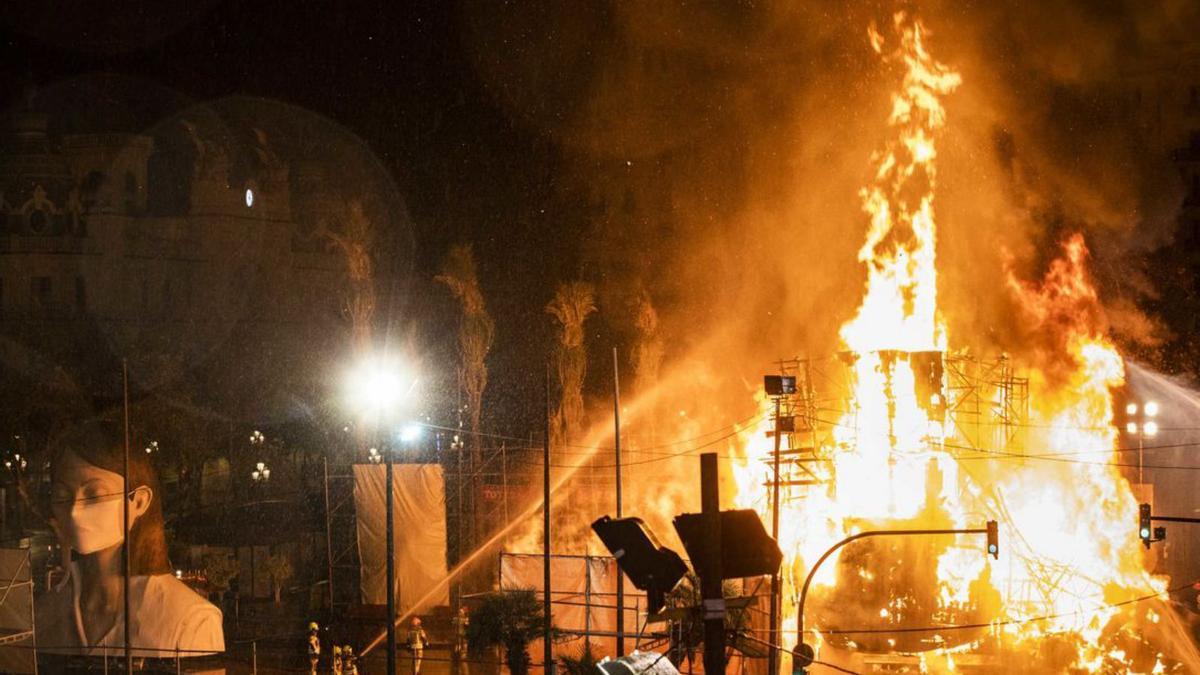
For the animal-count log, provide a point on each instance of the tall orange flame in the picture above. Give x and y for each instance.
(893, 454)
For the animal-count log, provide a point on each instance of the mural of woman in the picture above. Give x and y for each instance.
(84, 614)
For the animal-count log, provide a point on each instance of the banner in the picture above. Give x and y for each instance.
(419, 497)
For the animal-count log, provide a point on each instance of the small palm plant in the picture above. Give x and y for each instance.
(508, 619)
(584, 664)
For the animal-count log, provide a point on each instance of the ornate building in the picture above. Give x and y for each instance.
(193, 253)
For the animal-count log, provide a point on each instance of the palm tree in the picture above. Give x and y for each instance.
(572, 304)
(584, 664)
(508, 619)
(355, 241)
(476, 332)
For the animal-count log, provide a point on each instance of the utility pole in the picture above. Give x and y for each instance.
(617, 464)
(773, 625)
(125, 519)
(547, 647)
(328, 531)
(710, 569)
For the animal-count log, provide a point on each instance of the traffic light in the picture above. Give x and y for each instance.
(1144, 530)
(993, 539)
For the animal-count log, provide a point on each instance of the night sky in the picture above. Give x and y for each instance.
(395, 75)
(697, 150)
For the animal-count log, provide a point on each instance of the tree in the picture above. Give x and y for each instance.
(508, 619)
(476, 331)
(647, 356)
(572, 304)
(279, 567)
(584, 664)
(220, 570)
(354, 242)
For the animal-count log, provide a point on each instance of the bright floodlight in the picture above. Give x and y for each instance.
(1151, 408)
(1131, 409)
(378, 387)
(411, 432)
(1150, 428)
(1131, 427)
(249, 198)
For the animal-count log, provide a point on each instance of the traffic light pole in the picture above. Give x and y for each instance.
(710, 568)
(1145, 517)
(797, 667)
(1174, 519)
(773, 620)
(617, 480)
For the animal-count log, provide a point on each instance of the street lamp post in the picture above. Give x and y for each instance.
(1141, 422)
(378, 389)
(390, 528)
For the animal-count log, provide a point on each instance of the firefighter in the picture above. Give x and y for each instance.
(461, 621)
(314, 647)
(349, 661)
(417, 640)
(337, 660)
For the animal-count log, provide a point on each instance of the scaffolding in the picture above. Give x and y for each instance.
(971, 405)
(981, 405)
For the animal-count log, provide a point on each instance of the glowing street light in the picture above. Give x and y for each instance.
(379, 389)
(1143, 426)
(261, 473)
(257, 438)
(373, 456)
(152, 448)
(411, 432)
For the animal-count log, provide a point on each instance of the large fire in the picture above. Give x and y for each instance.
(887, 442)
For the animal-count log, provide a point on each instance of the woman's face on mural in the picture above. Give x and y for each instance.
(87, 503)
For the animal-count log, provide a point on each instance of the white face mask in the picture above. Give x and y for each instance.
(95, 526)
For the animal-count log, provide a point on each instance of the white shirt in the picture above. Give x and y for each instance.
(167, 615)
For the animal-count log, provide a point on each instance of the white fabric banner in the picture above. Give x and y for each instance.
(420, 534)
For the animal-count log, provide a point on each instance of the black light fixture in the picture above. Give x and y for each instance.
(779, 385)
(650, 566)
(746, 548)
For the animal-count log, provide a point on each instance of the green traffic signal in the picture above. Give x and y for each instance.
(1144, 530)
